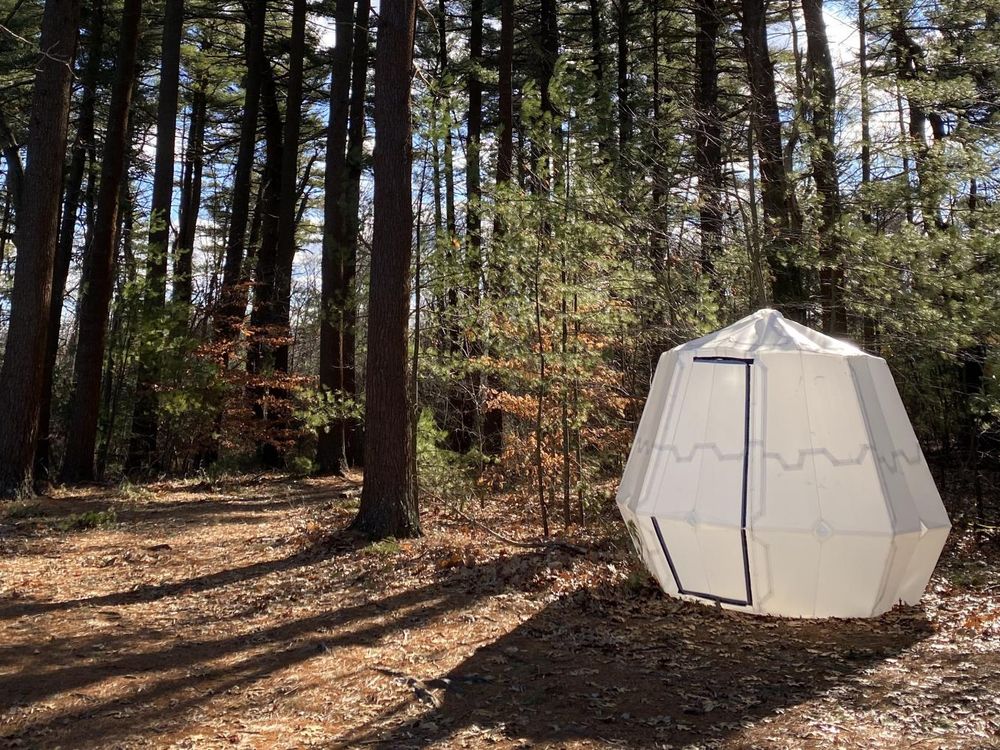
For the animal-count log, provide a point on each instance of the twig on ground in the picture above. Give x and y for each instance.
(547, 544)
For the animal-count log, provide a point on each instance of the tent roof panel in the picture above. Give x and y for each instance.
(769, 331)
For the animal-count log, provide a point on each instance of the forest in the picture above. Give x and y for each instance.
(327, 327)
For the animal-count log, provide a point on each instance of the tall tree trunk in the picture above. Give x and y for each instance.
(823, 86)
(194, 164)
(83, 145)
(472, 386)
(624, 105)
(355, 163)
(473, 220)
(231, 310)
(505, 149)
(261, 315)
(31, 297)
(492, 437)
(708, 132)
(388, 499)
(549, 53)
(98, 267)
(911, 68)
(602, 91)
(289, 182)
(338, 267)
(145, 419)
(272, 290)
(781, 215)
(866, 112)
(905, 148)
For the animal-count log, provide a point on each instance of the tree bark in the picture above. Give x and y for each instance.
(602, 93)
(624, 105)
(355, 162)
(31, 298)
(83, 146)
(272, 289)
(781, 215)
(866, 114)
(824, 164)
(194, 164)
(470, 394)
(145, 419)
(911, 67)
(505, 149)
(267, 211)
(389, 500)
(98, 267)
(473, 221)
(233, 300)
(289, 182)
(338, 266)
(708, 132)
(492, 430)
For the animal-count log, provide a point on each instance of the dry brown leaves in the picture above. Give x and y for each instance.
(239, 614)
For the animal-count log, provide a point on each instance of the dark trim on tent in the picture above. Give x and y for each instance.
(725, 360)
(743, 499)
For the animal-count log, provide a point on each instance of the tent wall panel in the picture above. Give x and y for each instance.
(845, 583)
(774, 471)
(903, 548)
(648, 430)
(925, 557)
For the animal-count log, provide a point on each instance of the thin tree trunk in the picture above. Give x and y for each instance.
(905, 148)
(866, 113)
(505, 148)
(289, 183)
(781, 216)
(190, 196)
(98, 267)
(260, 353)
(540, 407)
(337, 273)
(354, 434)
(30, 303)
(601, 90)
(492, 430)
(624, 105)
(15, 169)
(264, 270)
(5, 222)
(233, 292)
(145, 418)
(823, 86)
(272, 290)
(388, 500)
(708, 132)
(83, 144)
(910, 68)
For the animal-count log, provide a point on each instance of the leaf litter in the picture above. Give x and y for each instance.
(239, 614)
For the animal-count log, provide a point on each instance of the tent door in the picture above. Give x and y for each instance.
(705, 545)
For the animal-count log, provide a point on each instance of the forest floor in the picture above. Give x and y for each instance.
(234, 613)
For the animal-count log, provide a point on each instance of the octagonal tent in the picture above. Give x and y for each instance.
(775, 471)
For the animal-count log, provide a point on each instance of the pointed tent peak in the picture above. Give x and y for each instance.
(768, 330)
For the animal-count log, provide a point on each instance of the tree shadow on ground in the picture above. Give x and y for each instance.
(613, 669)
(328, 548)
(134, 684)
(605, 665)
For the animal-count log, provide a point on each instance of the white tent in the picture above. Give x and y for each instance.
(775, 471)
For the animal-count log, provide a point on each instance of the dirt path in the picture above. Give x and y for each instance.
(225, 615)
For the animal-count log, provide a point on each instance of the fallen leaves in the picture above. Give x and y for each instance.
(237, 614)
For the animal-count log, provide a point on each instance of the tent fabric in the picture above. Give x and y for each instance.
(775, 471)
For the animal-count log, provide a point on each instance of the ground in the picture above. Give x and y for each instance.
(237, 613)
